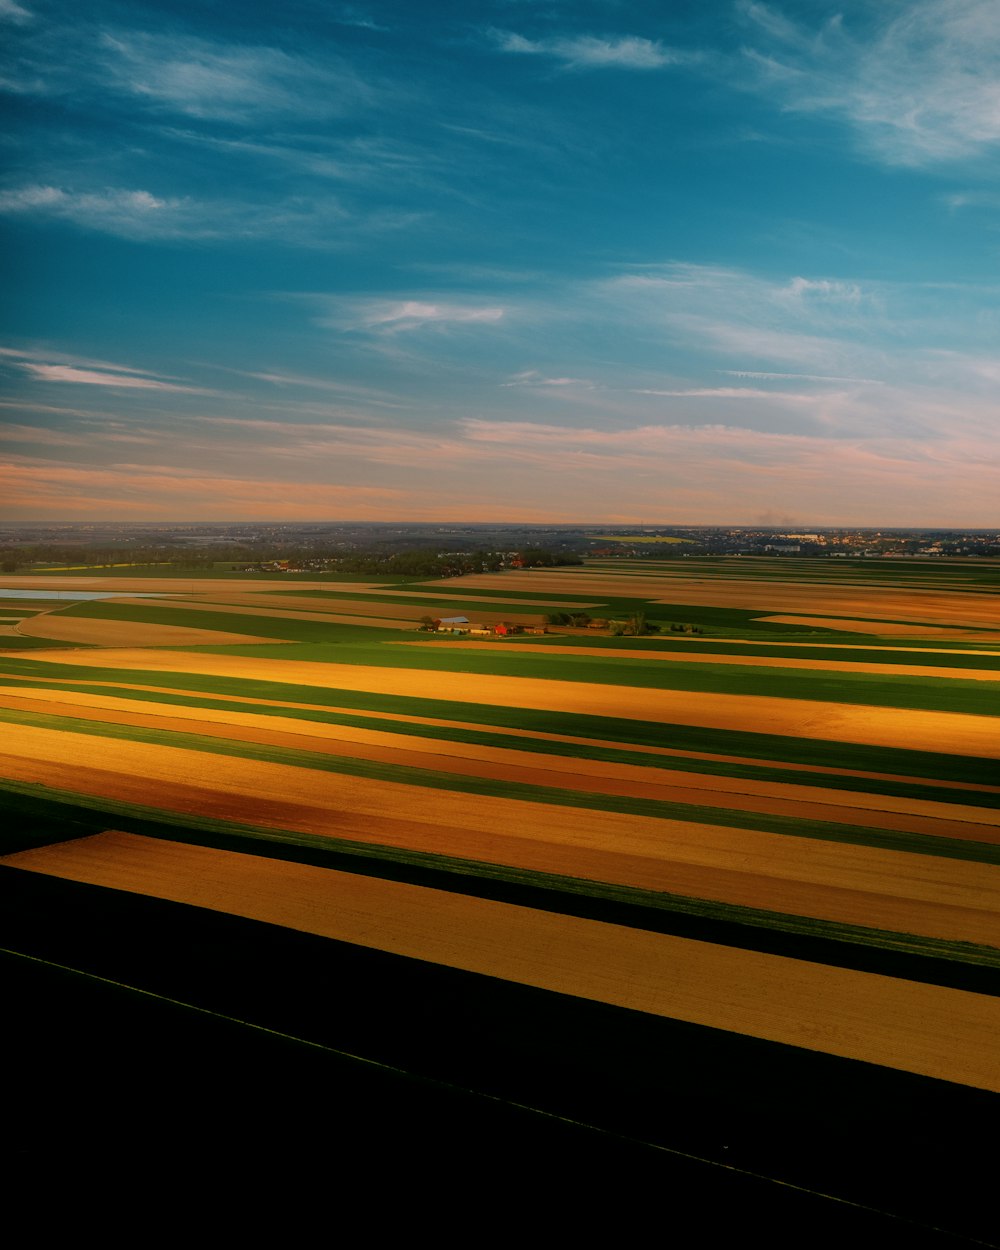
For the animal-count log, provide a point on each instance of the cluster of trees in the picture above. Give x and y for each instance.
(580, 620)
(431, 562)
(632, 626)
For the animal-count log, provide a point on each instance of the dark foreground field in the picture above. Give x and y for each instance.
(243, 1045)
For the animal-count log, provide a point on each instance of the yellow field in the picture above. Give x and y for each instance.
(943, 1033)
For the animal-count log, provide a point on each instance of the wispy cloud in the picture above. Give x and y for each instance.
(310, 221)
(401, 316)
(532, 378)
(280, 378)
(916, 79)
(10, 11)
(39, 435)
(49, 357)
(88, 377)
(729, 392)
(806, 377)
(594, 52)
(58, 368)
(36, 489)
(136, 214)
(230, 82)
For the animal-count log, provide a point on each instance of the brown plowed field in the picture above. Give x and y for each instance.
(949, 732)
(809, 803)
(127, 633)
(894, 890)
(655, 652)
(939, 1032)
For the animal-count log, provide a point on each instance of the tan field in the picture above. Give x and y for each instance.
(836, 644)
(888, 628)
(809, 803)
(171, 585)
(126, 633)
(233, 606)
(948, 732)
(402, 609)
(899, 891)
(939, 1032)
(654, 652)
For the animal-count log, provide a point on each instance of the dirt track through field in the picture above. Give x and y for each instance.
(507, 731)
(808, 803)
(894, 890)
(609, 654)
(948, 732)
(938, 1032)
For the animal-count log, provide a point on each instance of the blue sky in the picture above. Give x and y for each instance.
(705, 263)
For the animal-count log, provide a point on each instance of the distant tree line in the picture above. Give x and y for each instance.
(419, 562)
(434, 563)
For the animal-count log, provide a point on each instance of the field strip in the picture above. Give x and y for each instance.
(456, 587)
(939, 1032)
(60, 628)
(308, 603)
(301, 607)
(875, 888)
(746, 661)
(178, 584)
(507, 731)
(863, 626)
(223, 606)
(954, 733)
(832, 645)
(811, 803)
(924, 607)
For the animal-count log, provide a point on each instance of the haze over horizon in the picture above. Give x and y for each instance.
(726, 263)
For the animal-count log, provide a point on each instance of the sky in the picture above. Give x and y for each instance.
(706, 262)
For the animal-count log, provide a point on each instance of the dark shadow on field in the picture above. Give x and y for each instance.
(464, 1057)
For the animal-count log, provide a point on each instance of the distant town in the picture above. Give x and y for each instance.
(450, 549)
